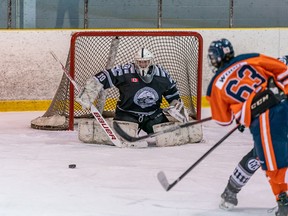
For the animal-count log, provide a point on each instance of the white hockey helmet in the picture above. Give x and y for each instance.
(143, 60)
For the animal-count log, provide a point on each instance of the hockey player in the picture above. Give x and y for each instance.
(141, 85)
(242, 172)
(252, 88)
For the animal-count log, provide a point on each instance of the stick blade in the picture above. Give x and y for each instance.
(163, 180)
(129, 138)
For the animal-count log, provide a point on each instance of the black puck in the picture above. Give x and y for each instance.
(72, 166)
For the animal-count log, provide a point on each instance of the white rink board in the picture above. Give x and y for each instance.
(28, 71)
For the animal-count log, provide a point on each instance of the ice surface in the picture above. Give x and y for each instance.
(108, 181)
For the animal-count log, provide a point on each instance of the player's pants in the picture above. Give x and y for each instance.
(270, 134)
(145, 122)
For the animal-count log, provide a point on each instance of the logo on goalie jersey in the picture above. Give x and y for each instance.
(146, 97)
(134, 80)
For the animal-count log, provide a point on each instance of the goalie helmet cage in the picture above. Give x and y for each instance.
(178, 51)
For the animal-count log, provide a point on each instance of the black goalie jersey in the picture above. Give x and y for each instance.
(136, 95)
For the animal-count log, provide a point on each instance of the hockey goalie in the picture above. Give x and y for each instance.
(142, 86)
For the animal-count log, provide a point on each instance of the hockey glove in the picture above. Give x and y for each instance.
(177, 111)
(241, 128)
(266, 99)
(89, 92)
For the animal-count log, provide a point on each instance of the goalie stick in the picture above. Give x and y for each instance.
(163, 179)
(97, 115)
(129, 138)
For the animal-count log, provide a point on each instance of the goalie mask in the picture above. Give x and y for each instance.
(220, 52)
(144, 64)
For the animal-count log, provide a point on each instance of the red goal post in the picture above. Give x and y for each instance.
(180, 52)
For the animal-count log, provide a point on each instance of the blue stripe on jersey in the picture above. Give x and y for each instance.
(108, 78)
(120, 70)
(132, 69)
(174, 85)
(117, 71)
(163, 73)
(157, 71)
(171, 96)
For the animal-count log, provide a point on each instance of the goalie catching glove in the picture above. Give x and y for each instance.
(177, 111)
(89, 92)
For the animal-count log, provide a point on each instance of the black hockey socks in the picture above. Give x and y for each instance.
(243, 172)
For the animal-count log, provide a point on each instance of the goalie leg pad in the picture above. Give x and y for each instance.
(195, 133)
(90, 131)
(131, 129)
(177, 137)
(191, 134)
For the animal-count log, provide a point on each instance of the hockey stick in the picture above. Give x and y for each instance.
(97, 115)
(129, 138)
(109, 64)
(163, 179)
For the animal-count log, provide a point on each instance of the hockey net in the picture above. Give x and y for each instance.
(179, 52)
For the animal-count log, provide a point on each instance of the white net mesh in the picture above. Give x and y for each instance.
(180, 52)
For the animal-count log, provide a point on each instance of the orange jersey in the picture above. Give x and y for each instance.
(233, 87)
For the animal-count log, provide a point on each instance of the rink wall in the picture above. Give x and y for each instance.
(29, 76)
